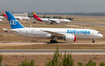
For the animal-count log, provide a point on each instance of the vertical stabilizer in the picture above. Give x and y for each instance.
(5, 15)
(36, 16)
(14, 23)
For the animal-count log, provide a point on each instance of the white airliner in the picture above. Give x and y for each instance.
(17, 17)
(50, 20)
(1, 20)
(67, 34)
(2, 17)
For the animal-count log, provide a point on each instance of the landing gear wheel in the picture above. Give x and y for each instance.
(53, 41)
(51, 23)
(66, 23)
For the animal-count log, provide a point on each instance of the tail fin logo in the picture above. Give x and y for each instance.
(13, 22)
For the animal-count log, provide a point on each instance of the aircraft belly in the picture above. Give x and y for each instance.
(84, 37)
(64, 21)
(45, 20)
(34, 35)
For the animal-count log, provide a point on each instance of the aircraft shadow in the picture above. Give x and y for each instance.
(5, 42)
(55, 43)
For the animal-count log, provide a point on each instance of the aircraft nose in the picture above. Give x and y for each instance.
(101, 35)
(68, 20)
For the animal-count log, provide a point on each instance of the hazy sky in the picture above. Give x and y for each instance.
(53, 5)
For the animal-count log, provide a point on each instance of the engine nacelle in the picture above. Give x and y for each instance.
(70, 38)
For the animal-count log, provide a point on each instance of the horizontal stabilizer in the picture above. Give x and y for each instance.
(10, 31)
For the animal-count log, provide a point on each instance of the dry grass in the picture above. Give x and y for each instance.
(14, 60)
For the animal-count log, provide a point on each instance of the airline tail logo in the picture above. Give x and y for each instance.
(5, 15)
(34, 13)
(13, 22)
(36, 17)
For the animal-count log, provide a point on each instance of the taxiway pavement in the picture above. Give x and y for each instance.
(51, 51)
(40, 43)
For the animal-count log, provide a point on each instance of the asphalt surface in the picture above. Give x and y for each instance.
(41, 43)
(51, 52)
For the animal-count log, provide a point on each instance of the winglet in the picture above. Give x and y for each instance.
(14, 23)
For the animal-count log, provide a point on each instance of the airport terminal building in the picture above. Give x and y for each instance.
(20, 14)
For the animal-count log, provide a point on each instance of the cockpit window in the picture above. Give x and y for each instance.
(98, 32)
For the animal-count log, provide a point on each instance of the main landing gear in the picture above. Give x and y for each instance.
(66, 23)
(51, 23)
(53, 40)
(93, 41)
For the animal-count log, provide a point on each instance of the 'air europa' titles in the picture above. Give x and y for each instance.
(78, 32)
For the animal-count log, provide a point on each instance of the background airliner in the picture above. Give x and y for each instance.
(2, 17)
(17, 17)
(50, 20)
(1, 20)
(67, 34)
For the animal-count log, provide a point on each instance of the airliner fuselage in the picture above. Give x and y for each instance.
(39, 32)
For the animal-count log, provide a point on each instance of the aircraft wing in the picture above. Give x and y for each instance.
(53, 33)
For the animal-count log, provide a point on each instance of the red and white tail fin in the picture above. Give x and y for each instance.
(5, 15)
(36, 17)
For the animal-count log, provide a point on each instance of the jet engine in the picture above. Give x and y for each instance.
(70, 38)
